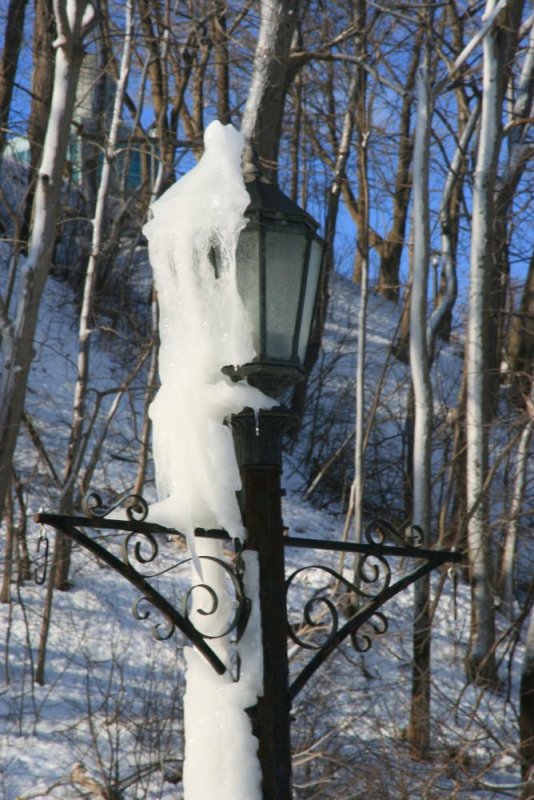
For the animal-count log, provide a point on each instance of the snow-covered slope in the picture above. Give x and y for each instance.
(108, 721)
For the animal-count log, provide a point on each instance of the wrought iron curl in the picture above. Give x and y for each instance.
(236, 621)
(167, 627)
(205, 612)
(415, 537)
(313, 622)
(362, 641)
(134, 505)
(373, 569)
(380, 530)
(145, 550)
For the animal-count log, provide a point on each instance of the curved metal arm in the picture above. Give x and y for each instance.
(140, 556)
(147, 590)
(376, 588)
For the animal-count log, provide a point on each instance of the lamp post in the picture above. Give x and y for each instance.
(278, 273)
(278, 259)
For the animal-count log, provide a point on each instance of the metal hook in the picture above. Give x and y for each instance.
(452, 573)
(40, 572)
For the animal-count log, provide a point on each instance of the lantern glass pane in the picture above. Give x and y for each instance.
(248, 278)
(312, 284)
(284, 257)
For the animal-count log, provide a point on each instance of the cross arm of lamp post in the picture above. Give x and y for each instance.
(144, 539)
(364, 605)
(141, 545)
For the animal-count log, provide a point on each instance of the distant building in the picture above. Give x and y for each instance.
(90, 123)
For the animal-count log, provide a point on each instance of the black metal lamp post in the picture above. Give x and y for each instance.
(278, 272)
(278, 259)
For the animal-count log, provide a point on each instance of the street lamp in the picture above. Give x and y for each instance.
(279, 273)
(278, 260)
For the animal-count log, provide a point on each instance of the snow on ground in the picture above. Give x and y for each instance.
(111, 707)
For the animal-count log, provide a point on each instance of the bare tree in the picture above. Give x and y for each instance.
(506, 572)
(8, 63)
(521, 342)
(480, 661)
(262, 118)
(73, 21)
(419, 728)
(526, 712)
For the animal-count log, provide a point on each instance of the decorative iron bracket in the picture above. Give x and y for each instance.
(360, 599)
(371, 588)
(141, 545)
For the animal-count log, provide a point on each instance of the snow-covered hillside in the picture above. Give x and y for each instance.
(107, 723)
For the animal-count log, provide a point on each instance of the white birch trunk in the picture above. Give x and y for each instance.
(271, 15)
(360, 367)
(480, 661)
(419, 359)
(262, 118)
(512, 518)
(419, 727)
(73, 21)
(78, 441)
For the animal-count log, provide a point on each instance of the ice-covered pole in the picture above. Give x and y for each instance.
(203, 328)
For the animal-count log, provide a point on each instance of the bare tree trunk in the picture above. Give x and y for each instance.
(73, 21)
(480, 660)
(156, 39)
(401, 346)
(220, 43)
(526, 713)
(361, 265)
(363, 246)
(506, 577)
(8, 63)
(42, 86)
(295, 139)
(448, 224)
(9, 551)
(505, 187)
(419, 726)
(338, 179)
(78, 436)
(263, 114)
(521, 342)
(391, 247)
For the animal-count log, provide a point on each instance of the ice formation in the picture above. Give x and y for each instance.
(204, 327)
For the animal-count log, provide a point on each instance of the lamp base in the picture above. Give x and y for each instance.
(273, 378)
(258, 437)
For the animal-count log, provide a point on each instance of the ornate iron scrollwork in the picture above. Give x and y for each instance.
(145, 561)
(320, 618)
(134, 505)
(336, 611)
(321, 615)
(344, 608)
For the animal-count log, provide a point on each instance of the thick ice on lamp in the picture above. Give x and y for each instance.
(204, 327)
